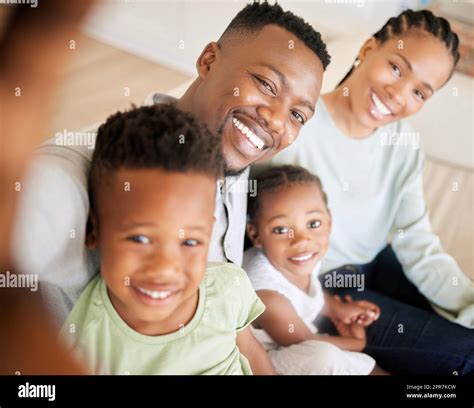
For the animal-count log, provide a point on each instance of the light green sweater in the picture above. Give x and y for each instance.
(375, 193)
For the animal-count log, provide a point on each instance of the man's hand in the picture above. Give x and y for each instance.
(352, 331)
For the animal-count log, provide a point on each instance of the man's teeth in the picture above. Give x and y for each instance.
(301, 258)
(155, 294)
(380, 106)
(254, 139)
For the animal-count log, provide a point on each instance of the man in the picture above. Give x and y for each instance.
(256, 86)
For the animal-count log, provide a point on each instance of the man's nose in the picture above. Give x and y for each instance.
(274, 116)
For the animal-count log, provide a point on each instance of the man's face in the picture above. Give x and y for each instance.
(153, 229)
(257, 92)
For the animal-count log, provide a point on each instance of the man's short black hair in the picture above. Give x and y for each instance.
(159, 136)
(255, 16)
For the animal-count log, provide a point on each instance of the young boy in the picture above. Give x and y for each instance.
(289, 225)
(155, 308)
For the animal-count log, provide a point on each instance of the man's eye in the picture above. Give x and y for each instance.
(298, 117)
(280, 230)
(314, 224)
(191, 242)
(265, 84)
(140, 239)
(396, 70)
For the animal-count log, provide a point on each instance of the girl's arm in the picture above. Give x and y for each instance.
(285, 327)
(254, 352)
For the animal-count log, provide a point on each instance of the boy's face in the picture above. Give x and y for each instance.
(292, 226)
(153, 229)
(268, 82)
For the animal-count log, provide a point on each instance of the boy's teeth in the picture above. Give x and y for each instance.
(254, 139)
(380, 106)
(155, 294)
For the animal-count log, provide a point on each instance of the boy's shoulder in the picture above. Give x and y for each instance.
(223, 275)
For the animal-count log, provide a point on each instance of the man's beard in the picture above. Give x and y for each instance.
(229, 170)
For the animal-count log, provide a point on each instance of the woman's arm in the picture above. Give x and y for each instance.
(285, 327)
(435, 273)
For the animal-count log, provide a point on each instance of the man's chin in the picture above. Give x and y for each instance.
(231, 171)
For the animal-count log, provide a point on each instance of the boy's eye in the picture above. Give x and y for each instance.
(191, 242)
(298, 117)
(140, 239)
(396, 70)
(314, 224)
(280, 230)
(419, 95)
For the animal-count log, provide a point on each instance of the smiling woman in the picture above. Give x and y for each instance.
(370, 162)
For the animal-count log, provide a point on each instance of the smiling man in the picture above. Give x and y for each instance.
(256, 86)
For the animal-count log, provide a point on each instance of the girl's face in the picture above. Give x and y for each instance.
(292, 227)
(396, 78)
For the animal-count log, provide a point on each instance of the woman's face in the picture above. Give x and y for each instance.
(396, 78)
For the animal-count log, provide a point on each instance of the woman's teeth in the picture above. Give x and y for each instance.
(155, 294)
(381, 108)
(252, 137)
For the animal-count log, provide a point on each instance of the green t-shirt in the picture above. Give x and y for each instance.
(206, 345)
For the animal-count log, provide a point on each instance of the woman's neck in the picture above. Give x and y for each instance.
(340, 108)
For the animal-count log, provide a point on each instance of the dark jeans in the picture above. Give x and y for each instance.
(409, 337)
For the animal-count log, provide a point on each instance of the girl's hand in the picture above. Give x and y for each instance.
(348, 311)
(353, 331)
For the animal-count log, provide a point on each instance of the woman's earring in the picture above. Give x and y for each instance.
(356, 63)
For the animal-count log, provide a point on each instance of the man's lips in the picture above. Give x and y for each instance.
(252, 132)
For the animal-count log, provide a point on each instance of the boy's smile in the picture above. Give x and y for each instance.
(153, 229)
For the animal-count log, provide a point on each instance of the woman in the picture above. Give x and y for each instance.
(370, 164)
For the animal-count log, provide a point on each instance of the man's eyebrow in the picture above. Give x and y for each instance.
(427, 85)
(283, 80)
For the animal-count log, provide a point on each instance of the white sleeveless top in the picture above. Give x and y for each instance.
(264, 276)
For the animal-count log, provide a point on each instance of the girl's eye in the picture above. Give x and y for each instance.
(395, 69)
(191, 242)
(314, 224)
(419, 95)
(280, 230)
(140, 239)
(298, 117)
(265, 84)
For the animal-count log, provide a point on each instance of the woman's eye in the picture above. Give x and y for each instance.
(314, 224)
(396, 70)
(419, 95)
(191, 242)
(140, 239)
(280, 230)
(298, 117)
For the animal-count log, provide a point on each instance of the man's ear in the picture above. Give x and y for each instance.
(92, 231)
(369, 46)
(206, 59)
(252, 233)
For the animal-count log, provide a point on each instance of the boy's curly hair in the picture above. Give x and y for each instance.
(159, 136)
